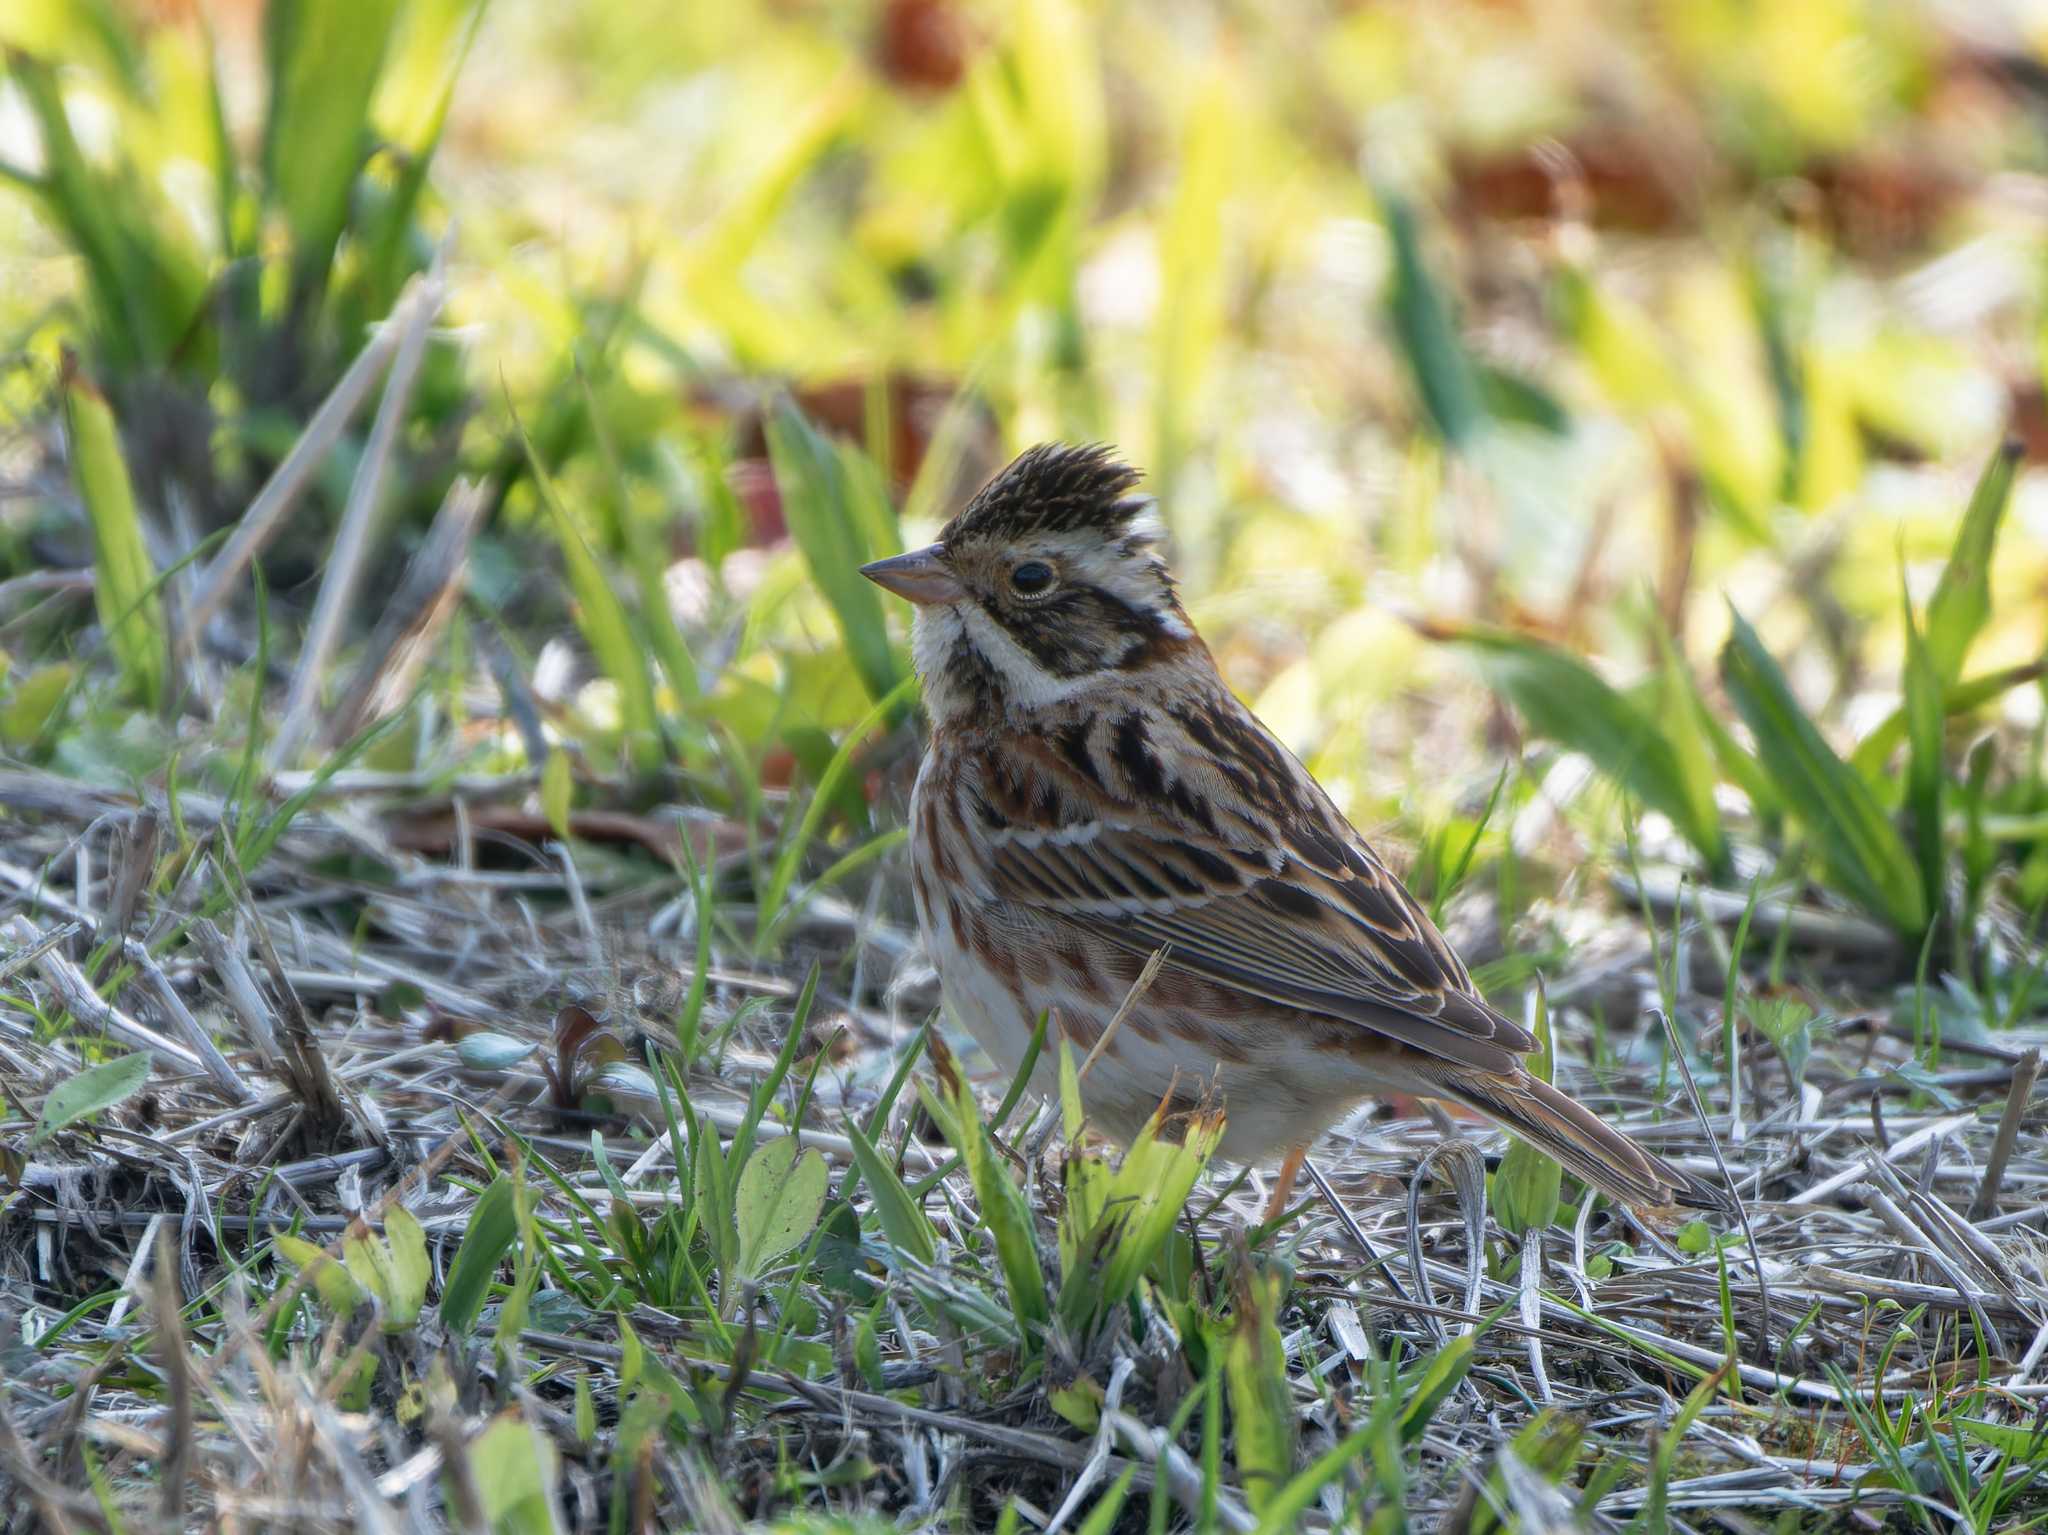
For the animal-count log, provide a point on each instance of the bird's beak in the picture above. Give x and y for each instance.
(922, 576)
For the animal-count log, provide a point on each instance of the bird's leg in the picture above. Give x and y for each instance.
(1283, 1181)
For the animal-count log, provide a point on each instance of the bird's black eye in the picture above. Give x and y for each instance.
(1033, 578)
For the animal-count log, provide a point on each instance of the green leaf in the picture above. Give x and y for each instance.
(840, 522)
(1261, 1403)
(1428, 334)
(1526, 1185)
(124, 576)
(93, 1090)
(336, 1287)
(410, 1269)
(393, 1268)
(903, 1223)
(1564, 700)
(557, 782)
(1102, 1517)
(774, 900)
(1284, 1510)
(1926, 773)
(2022, 1443)
(1787, 1023)
(777, 1202)
(1003, 1208)
(1115, 1226)
(28, 704)
(513, 1469)
(1861, 849)
(1436, 1380)
(1962, 598)
(603, 619)
(324, 60)
(492, 1225)
(1700, 742)
(1957, 699)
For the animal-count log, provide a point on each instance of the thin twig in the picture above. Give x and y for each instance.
(1766, 1351)
(2024, 1074)
(1116, 1021)
(358, 520)
(265, 516)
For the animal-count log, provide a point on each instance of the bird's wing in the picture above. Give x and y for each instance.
(1221, 846)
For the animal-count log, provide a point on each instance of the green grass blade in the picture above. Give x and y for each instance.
(903, 1223)
(832, 515)
(1564, 700)
(124, 574)
(1428, 333)
(1525, 1187)
(1862, 850)
(604, 621)
(1004, 1211)
(775, 896)
(1261, 1403)
(324, 62)
(1925, 771)
(1962, 598)
(493, 1222)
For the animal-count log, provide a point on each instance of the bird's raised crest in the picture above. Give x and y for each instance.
(1055, 487)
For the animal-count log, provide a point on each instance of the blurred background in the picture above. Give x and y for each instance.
(1486, 359)
(437, 442)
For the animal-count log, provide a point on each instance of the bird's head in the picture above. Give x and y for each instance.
(1048, 586)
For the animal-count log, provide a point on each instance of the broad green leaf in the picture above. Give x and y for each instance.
(331, 1281)
(903, 1223)
(518, 1301)
(1261, 1402)
(1962, 598)
(1564, 700)
(392, 1267)
(777, 1201)
(28, 704)
(1700, 742)
(124, 576)
(1526, 1185)
(410, 1270)
(1860, 847)
(2022, 1442)
(513, 1469)
(492, 1225)
(840, 521)
(92, 1091)
(145, 279)
(324, 60)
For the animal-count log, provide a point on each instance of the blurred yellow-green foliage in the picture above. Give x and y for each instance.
(1560, 315)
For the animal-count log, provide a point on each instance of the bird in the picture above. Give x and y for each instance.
(1102, 833)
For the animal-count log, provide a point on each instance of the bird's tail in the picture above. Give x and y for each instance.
(1588, 1148)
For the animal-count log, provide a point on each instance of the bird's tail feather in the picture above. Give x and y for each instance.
(1587, 1147)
